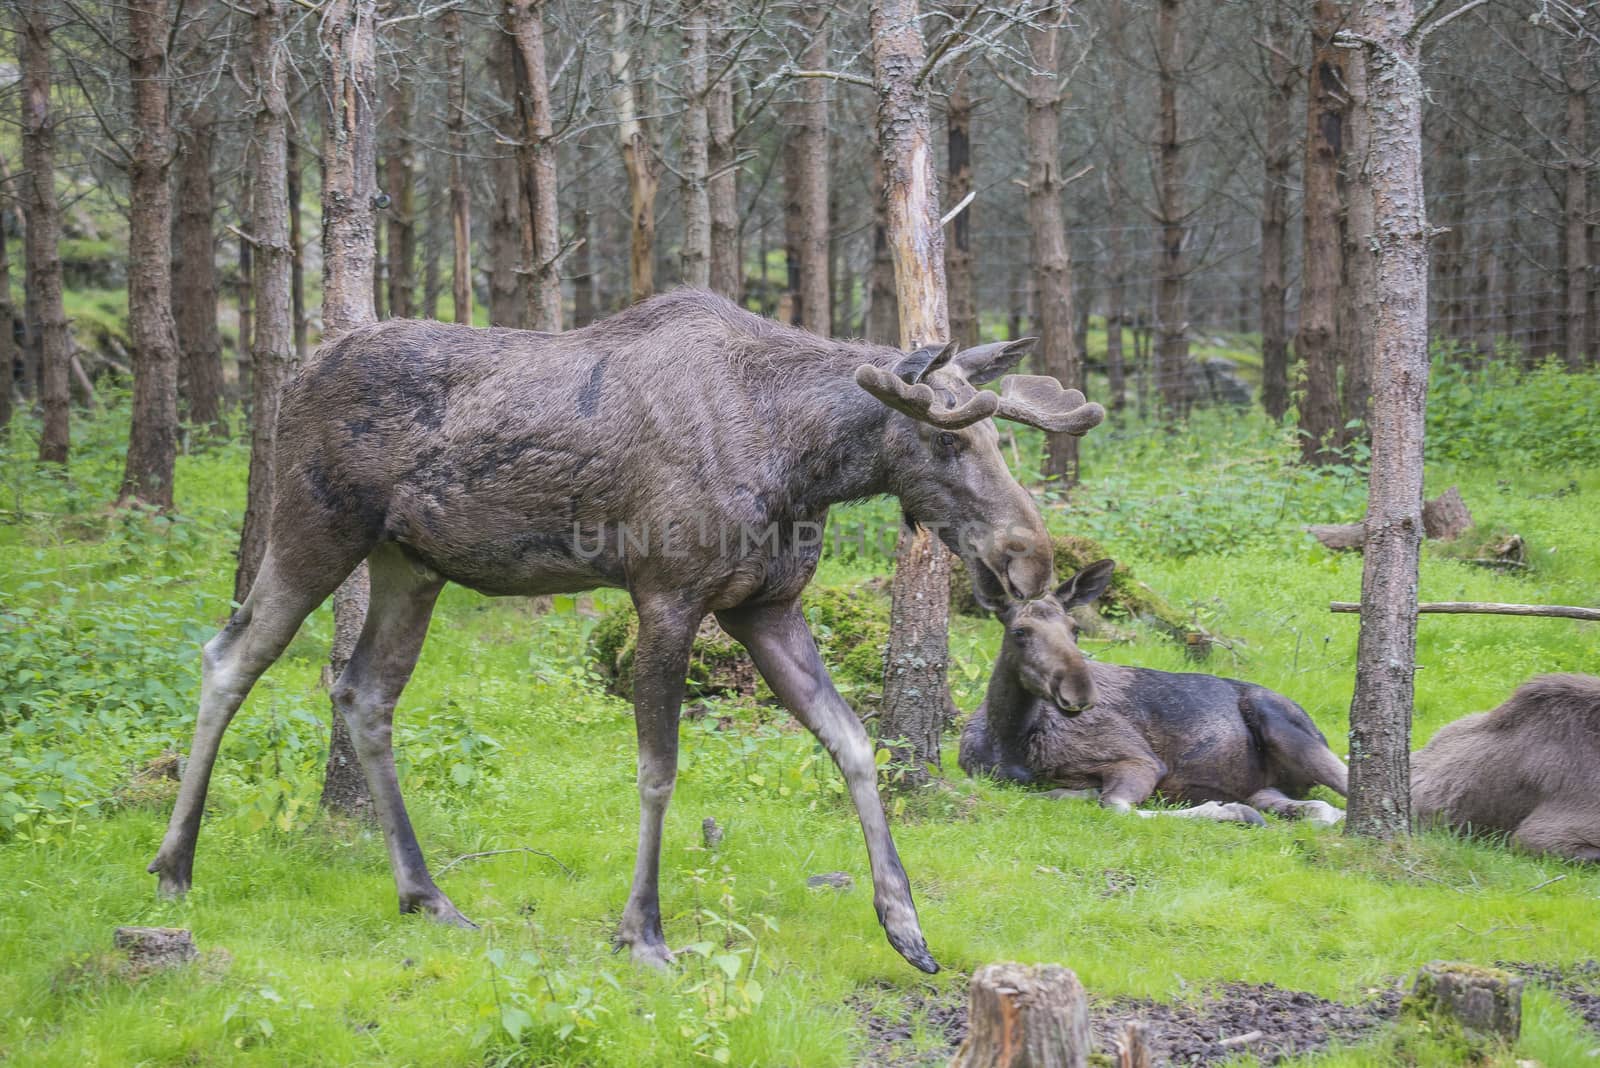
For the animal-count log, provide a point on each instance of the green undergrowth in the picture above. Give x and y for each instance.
(510, 746)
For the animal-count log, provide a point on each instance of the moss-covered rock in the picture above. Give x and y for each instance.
(1127, 599)
(851, 626)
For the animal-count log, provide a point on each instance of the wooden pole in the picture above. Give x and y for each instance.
(1490, 608)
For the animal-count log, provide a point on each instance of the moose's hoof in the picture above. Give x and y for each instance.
(439, 909)
(173, 880)
(905, 935)
(1321, 813)
(1239, 812)
(653, 955)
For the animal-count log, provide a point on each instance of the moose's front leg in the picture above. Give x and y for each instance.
(660, 665)
(781, 645)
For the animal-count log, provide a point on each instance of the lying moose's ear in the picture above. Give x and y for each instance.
(1040, 401)
(985, 363)
(1087, 585)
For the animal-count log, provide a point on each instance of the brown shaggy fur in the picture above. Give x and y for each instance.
(1530, 769)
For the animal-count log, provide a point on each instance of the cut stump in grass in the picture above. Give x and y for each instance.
(1025, 1016)
(1486, 1001)
(151, 949)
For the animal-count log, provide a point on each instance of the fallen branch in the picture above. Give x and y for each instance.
(1489, 608)
(502, 852)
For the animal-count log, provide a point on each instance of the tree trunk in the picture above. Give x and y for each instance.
(1358, 306)
(882, 325)
(349, 256)
(272, 348)
(1380, 713)
(1317, 342)
(811, 145)
(506, 306)
(722, 186)
(431, 230)
(9, 363)
(460, 186)
(297, 274)
(401, 216)
(194, 273)
(695, 163)
(47, 329)
(958, 265)
(638, 159)
(1575, 325)
(536, 159)
(1115, 182)
(153, 435)
(1057, 354)
(915, 689)
(584, 309)
(243, 287)
(1172, 277)
(1277, 157)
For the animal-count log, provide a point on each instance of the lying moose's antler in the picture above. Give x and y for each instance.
(916, 399)
(1041, 401)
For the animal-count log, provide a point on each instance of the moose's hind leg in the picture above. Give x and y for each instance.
(1277, 802)
(401, 603)
(660, 668)
(231, 662)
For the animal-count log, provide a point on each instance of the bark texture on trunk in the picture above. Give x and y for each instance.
(810, 140)
(297, 273)
(194, 273)
(1172, 272)
(1322, 255)
(153, 435)
(47, 326)
(638, 159)
(1579, 74)
(401, 216)
(536, 160)
(243, 288)
(1380, 713)
(694, 258)
(915, 688)
(460, 187)
(506, 305)
(722, 186)
(1277, 158)
(1358, 304)
(272, 348)
(958, 260)
(882, 324)
(584, 304)
(9, 363)
(349, 256)
(1057, 354)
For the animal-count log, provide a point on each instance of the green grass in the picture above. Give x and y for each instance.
(506, 741)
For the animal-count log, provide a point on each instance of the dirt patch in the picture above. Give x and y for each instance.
(1262, 1019)
(1578, 983)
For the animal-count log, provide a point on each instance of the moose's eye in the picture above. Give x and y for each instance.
(946, 440)
(1020, 633)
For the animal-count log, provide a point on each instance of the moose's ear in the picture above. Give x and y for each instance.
(985, 363)
(1087, 585)
(918, 365)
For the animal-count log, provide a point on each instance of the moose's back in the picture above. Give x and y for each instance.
(504, 459)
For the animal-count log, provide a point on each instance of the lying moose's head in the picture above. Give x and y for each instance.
(1041, 641)
(945, 463)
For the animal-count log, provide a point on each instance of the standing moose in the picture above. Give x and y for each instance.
(684, 450)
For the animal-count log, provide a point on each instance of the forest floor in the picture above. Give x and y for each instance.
(507, 741)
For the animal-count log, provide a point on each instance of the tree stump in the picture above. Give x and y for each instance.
(1483, 1000)
(151, 949)
(1025, 1016)
(1445, 518)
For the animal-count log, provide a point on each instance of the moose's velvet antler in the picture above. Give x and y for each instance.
(1041, 401)
(917, 399)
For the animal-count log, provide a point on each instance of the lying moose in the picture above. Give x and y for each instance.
(1050, 716)
(684, 450)
(1529, 769)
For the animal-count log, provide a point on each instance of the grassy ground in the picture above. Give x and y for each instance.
(506, 741)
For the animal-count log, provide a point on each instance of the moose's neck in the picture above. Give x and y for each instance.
(833, 432)
(1009, 706)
